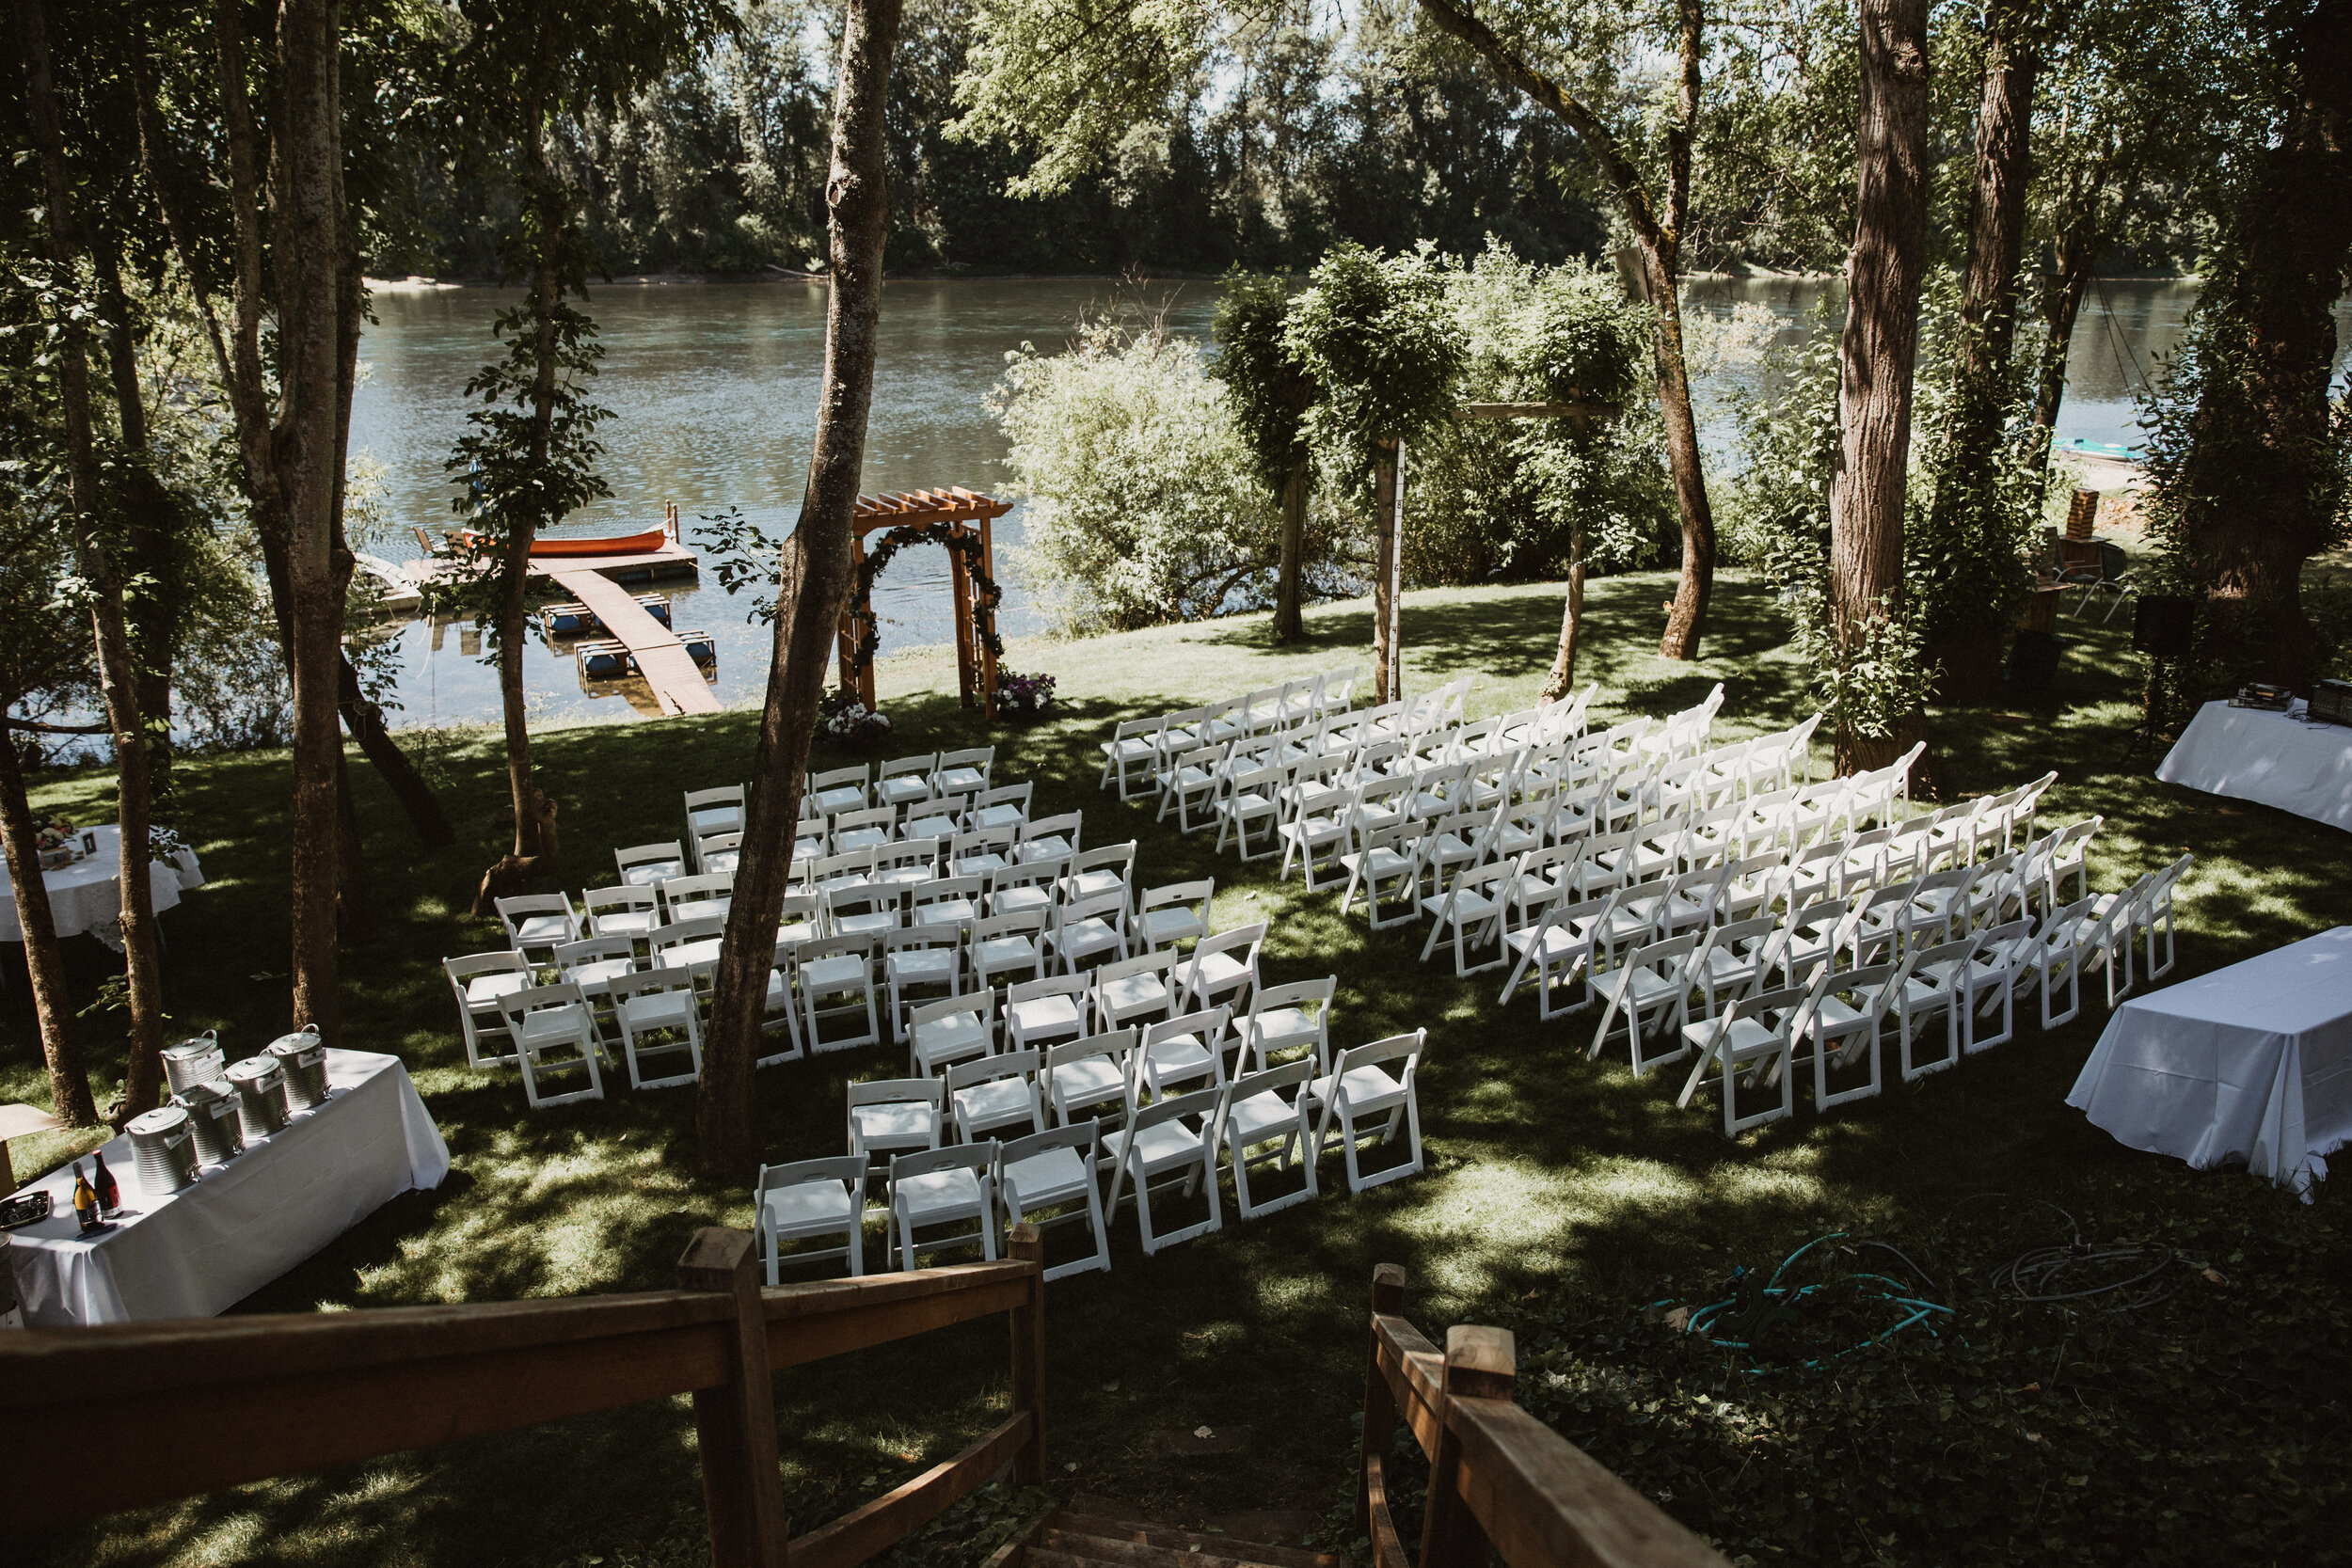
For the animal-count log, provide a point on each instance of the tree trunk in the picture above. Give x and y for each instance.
(2260, 486)
(1880, 344)
(1563, 677)
(116, 670)
(1385, 492)
(52, 1005)
(1964, 638)
(813, 586)
(1686, 622)
(308, 206)
(365, 720)
(2061, 303)
(1289, 622)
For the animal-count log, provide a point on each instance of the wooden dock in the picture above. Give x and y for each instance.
(657, 652)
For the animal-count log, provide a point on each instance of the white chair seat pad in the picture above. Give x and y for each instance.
(1053, 1176)
(1160, 1147)
(539, 929)
(993, 1104)
(1087, 1081)
(937, 1193)
(809, 1208)
(1133, 994)
(1043, 1014)
(844, 971)
(1368, 1088)
(1008, 953)
(897, 1124)
(1260, 1117)
(484, 989)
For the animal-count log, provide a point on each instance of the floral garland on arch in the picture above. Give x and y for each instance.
(962, 542)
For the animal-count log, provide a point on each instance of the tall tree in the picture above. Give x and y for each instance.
(1070, 78)
(814, 581)
(1877, 354)
(1271, 393)
(2254, 461)
(1967, 622)
(100, 564)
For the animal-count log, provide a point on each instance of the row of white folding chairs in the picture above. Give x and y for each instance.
(1843, 1014)
(901, 781)
(1272, 1119)
(942, 816)
(1144, 745)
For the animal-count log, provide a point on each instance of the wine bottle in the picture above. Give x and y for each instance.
(85, 1201)
(109, 1195)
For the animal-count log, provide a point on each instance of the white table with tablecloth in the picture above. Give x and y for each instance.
(205, 1248)
(2252, 1063)
(88, 894)
(2273, 759)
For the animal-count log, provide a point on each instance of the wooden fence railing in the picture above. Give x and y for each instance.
(188, 1407)
(1497, 1477)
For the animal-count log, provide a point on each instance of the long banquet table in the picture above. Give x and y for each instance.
(207, 1247)
(2251, 1063)
(2270, 758)
(86, 896)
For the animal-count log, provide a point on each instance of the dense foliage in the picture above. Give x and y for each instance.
(1144, 504)
(1374, 332)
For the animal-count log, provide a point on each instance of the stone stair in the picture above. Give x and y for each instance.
(1064, 1539)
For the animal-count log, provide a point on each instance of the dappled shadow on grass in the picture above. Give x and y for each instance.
(1547, 1172)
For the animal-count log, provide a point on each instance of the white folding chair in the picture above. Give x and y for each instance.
(1470, 913)
(1086, 928)
(478, 981)
(1027, 886)
(1004, 806)
(836, 983)
(894, 1116)
(1129, 748)
(903, 781)
(2154, 907)
(1047, 1169)
(964, 772)
(1247, 805)
(1286, 1018)
(990, 1094)
(944, 1186)
(941, 1034)
(632, 911)
(645, 864)
(867, 829)
(695, 898)
(713, 811)
(1135, 990)
(1654, 979)
(922, 958)
(1086, 1078)
(812, 1197)
(1094, 872)
(1176, 912)
(1007, 943)
(1360, 1087)
(1558, 948)
(648, 1006)
(1052, 837)
(1223, 967)
(1177, 1052)
(1040, 1012)
(545, 1020)
(537, 922)
(1847, 1017)
(838, 790)
(1269, 1107)
(1754, 1037)
(1161, 1142)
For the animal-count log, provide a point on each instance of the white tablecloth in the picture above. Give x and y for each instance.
(207, 1247)
(2252, 1062)
(2274, 759)
(88, 894)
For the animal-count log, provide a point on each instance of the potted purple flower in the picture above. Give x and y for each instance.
(1024, 698)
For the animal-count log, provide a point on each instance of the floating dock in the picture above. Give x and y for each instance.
(661, 658)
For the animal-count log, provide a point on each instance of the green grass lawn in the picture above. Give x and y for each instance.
(1555, 1185)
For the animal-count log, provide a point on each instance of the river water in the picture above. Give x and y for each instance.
(713, 389)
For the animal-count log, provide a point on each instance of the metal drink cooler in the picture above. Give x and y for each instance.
(302, 1060)
(195, 1061)
(260, 1086)
(212, 1108)
(163, 1143)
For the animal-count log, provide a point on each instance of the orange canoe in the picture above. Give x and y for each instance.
(627, 543)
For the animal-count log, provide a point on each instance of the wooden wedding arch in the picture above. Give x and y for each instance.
(959, 520)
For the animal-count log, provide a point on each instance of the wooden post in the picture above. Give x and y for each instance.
(987, 627)
(1396, 582)
(735, 1424)
(844, 638)
(1480, 1363)
(960, 580)
(1388, 1300)
(1028, 1355)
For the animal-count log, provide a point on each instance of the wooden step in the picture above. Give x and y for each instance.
(1078, 1540)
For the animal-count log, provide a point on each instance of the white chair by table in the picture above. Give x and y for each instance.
(1361, 1087)
(545, 1020)
(2154, 907)
(1047, 1169)
(537, 922)
(1161, 1143)
(808, 1198)
(1269, 1107)
(944, 1186)
(648, 1006)
(478, 980)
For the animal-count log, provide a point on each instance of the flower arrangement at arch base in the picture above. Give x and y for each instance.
(1024, 699)
(844, 719)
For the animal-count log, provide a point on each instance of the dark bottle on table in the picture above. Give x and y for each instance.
(85, 1201)
(109, 1195)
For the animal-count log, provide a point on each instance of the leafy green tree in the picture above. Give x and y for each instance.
(1374, 333)
(1271, 394)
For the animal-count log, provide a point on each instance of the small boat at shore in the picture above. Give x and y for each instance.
(625, 544)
